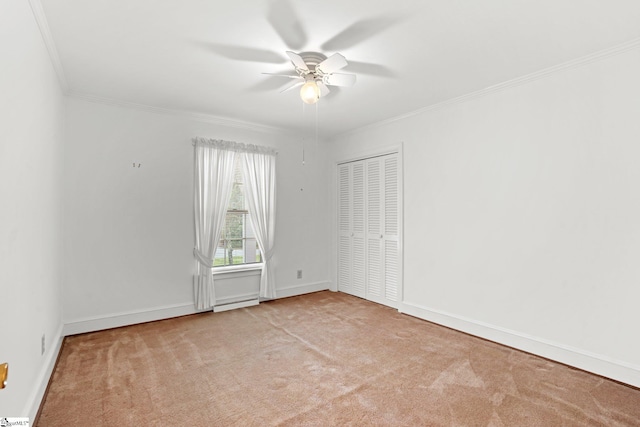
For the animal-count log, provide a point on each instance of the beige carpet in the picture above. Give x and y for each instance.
(323, 359)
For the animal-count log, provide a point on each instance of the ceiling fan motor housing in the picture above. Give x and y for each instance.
(312, 59)
(316, 71)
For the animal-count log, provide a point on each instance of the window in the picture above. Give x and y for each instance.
(237, 244)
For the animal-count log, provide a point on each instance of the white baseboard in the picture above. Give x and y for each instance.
(307, 288)
(42, 381)
(581, 359)
(117, 320)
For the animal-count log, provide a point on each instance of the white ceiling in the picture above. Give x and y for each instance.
(207, 56)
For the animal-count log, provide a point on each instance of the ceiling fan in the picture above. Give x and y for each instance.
(315, 72)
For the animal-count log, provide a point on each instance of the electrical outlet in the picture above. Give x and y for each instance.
(299, 274)
(42, 345)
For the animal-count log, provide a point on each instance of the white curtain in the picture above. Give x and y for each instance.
(259, 177)
(214, 165)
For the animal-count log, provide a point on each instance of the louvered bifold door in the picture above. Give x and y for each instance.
(375, 271)
(358, 278)
(391, 232)
(345, 253)
(368, 222)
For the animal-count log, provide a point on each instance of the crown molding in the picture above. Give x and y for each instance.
(200, 117)
(43, 25)
(518, 81)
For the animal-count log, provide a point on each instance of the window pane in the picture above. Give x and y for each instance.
(218, 259)
(237, 243)
(236, 201)
(234, 252)
(234, 225)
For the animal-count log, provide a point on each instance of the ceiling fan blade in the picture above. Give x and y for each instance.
(286, 23)
(339, 79)
(370, 69)
(290, 76)
(242, 53)
(297, 60)
(292, 85)
(358, 32)
(333, 63)
(324, 90)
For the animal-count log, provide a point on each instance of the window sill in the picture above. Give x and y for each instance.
(237, 268)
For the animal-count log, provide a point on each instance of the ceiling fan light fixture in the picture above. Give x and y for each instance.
(309, 92)
(315, 71)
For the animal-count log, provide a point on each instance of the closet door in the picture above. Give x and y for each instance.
(368, 242)
(391, 228)
(351, 224)
(358, 278)
(345, 252)
(382, 229)
(375, 217)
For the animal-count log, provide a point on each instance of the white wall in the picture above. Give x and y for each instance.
(522, 213)
(31, 222)
(130, 229)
